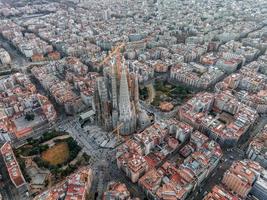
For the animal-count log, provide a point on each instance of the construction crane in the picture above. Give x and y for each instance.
(118, 130)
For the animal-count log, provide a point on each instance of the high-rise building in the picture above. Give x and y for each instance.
(257, 148)
(117, 99)
(117, 191)
(259, 189)
(218, 193)
(14, 171)
(76, 186)
(241, 177)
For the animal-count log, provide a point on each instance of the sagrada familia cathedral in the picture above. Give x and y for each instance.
(117, 100)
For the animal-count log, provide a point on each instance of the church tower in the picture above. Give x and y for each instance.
(125, 111)
(117, 98)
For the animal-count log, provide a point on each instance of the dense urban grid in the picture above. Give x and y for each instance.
(133, 100)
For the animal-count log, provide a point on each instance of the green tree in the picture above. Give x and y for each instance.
(86, 157)
(29, 116)
(43, 148)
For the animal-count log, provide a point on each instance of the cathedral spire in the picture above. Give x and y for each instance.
(124, 101)
(114, 85)
(125, 111)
